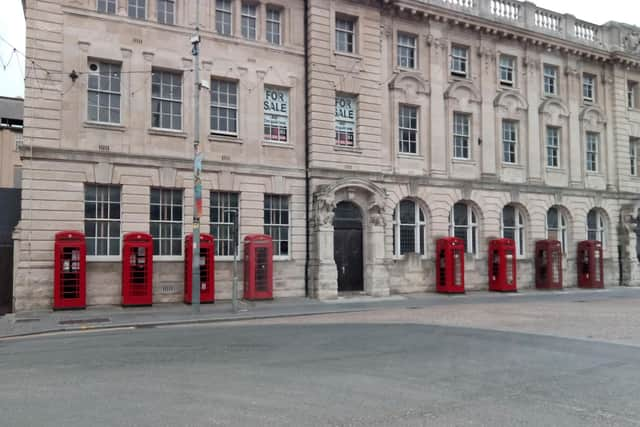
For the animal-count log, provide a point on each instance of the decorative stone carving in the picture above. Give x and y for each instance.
(376, 211)
(632, 43)
(324, 209)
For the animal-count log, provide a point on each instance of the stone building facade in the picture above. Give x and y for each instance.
(354, 132)
(11, 123)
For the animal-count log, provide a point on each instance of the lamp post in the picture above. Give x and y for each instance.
(234, 287)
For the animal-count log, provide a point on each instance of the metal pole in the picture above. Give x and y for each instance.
(197, 167)
(234, 297)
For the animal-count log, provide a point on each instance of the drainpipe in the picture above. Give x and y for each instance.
(307, 196)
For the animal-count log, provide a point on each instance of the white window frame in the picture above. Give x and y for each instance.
(405, 129)
(171, 221)
(109, 7)
(345, 126)
(224, 17)
(274, 20)
(471, 228)
(507, 70)
(561, 228)
(407, 51)
(632, 94)
(222, 230)
(419, 229)
(277, 254)
(165, 98)
(166, 13)
(103, 220)
(600, 229)
(552, 144)
(633, 155)
(345, 33)
(550, 79)
(137, 5)
(510, 142)
(459, 60)
(592, 151)
(112, 71)
(461, 135)
(249, 21)
(276, 115)
(518, 229)
(225, 103)
(588, 87)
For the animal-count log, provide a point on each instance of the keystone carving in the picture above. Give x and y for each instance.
(632, 43)
(376, 211)
(324, 210)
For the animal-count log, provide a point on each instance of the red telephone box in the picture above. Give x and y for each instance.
(70, 270)
(258, 267)
(137, 269)
(207, 268)
(590, 265)
(548, 264)
(450, 265)
(502, 265)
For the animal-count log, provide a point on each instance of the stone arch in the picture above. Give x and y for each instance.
(501, 100)
(401, 81)
(594, 111)
(606, 219)
(461, 86)
(423, 207)
(547, 106)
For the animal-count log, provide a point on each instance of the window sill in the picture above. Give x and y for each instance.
(512, 165)
(105, 258)
(404, 256)
(460, 76)
(277, 145)
(232, 139)
(347, 55)
(554, 169)
(400, 69)
(596, 174)
(411, 156)
(281, 258)
(105, 126)
(167, 132)
(507, 85)
(457, 160)
(347, 149)
(168, 258)
(228, 258)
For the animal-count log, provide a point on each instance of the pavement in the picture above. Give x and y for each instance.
(433, 308)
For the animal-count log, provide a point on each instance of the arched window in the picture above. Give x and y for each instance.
(513, 227)
(463, 223)
(595, 226)
(557, 227)
(408, 228)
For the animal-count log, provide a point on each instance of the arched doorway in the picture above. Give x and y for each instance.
(347, 247)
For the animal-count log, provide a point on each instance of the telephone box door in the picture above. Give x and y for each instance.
(137, 269)
(258, 267)
(590, 265)
(70, 271)
(207, 269)
(502, 265)
(450, 265)
(548, 264)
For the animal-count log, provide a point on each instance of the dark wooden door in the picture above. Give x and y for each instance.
(9, 217)
(347, 247)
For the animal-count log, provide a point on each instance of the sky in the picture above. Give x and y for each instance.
(13, 31)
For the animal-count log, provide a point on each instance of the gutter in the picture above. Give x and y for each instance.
(307, 195)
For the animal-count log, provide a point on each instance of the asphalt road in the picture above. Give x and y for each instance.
(316, 375)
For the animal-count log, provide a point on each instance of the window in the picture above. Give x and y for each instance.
(408, 228)
(589, 87)
(107, 6)
(345, 35)
(166, 100)
(509, 141)
(276, 115)
(137, 9)
(224, 107)
(632, 94)
(550, 80)
(633, 155)
(461, 124)
(408, 128)
(223, 17)
(513, 227)
(595, 226)
(166, 11)
(224, 215)
(553, 147)
(166, 221)
(593, 141)
(507, 70)
(346, 107)
(459, 60)
(557, 227)
(273, 25)
(102, 219)
(249, 14)
(406, 50)
(104, 93)
(276, 222)
(463, 223)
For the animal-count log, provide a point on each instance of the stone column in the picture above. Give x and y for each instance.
(576, 145)
(438, 64)
(488, 91)
(531, 81)
(376, 274)
(325, 274)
